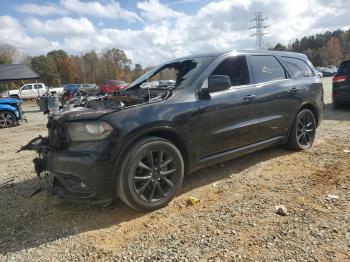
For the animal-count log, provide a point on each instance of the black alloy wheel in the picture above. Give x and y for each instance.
(154, 175)
(151, 174)
(303, 132)
(7, 119)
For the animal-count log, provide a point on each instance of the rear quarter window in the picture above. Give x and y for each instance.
(297, 67)
(267, 68)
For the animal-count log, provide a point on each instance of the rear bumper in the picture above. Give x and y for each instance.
(341, 99)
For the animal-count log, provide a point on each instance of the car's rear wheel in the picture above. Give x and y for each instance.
(302, 134)
(7, 119)
(151, 174)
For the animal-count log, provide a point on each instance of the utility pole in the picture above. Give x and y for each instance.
(259, 29)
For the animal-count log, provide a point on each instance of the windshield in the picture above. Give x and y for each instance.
(173, 74)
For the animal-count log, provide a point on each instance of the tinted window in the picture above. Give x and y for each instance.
(297, 67)
(236, 68)
(38, 86)
(267, 68)
(344, 68)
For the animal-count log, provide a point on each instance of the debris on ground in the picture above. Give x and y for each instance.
(192, 201)
(331, 197)
(347, 151)
(281, 210)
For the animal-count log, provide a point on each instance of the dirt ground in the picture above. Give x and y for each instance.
(234, 221)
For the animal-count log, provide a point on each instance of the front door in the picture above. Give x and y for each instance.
(228, 118)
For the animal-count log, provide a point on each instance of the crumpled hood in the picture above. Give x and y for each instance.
(81, 113)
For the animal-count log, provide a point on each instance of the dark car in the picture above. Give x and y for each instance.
(341, 85)
(138, 144)
(326, 72)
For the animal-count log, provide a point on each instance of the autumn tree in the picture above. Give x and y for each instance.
(334, 51)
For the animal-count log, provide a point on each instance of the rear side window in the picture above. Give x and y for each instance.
(38, 86)
(267, 68)
(236, 68)
(344, 68)
(297, 67)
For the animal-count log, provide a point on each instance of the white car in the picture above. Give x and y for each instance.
(32, 90)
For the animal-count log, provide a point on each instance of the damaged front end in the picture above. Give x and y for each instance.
(77, 152)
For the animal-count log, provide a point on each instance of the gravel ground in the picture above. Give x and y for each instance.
(235, 219)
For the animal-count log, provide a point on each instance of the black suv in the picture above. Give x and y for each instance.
(139, 143)
(341, 85)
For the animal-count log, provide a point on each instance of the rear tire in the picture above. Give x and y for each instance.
(7, 119)
(302, 134)
(151, 174)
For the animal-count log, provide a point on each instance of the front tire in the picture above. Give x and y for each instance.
(302, 134)
(151, 174)
(7, 119)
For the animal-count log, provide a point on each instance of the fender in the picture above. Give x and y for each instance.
(136, 134)
(306, 104)
(11, 109)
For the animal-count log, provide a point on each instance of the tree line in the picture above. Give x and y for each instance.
(57, 68)
(329, 48)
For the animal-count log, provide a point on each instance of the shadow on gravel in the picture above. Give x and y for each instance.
(30, 222)
(339, 114)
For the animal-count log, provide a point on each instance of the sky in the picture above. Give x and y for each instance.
(152, 31)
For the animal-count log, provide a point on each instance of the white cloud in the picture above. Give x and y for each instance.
(153, 10)
(166, 33)
(13, 33)
(40, 10)
(64, 26)
(111, 10)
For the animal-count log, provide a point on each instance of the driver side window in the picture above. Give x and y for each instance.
(27, 87)
(236, 68)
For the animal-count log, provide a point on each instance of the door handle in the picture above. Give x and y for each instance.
(294, 90)
(249, 97)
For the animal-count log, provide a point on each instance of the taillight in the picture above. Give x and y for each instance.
(338, 79)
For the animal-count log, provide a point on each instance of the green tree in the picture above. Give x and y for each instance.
(46, 68)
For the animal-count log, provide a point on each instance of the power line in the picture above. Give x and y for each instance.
(259, 29)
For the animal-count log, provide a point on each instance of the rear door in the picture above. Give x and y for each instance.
(228, 118)
(278, 95)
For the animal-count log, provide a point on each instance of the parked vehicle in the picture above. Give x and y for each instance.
(341, 85)
(112, 85)
(142, 142)
(326, 72)
(30, 91)
(72, 88)
(91, 89)
(10, 112)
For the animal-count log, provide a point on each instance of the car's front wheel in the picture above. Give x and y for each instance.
(302, 134)
(7, 119)
(151, 174)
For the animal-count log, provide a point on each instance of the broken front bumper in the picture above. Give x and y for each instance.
(81, 172)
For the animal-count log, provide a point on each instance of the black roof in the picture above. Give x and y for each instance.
(16, 72)
(242, 52)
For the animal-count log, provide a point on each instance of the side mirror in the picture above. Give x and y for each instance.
(218, 83)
